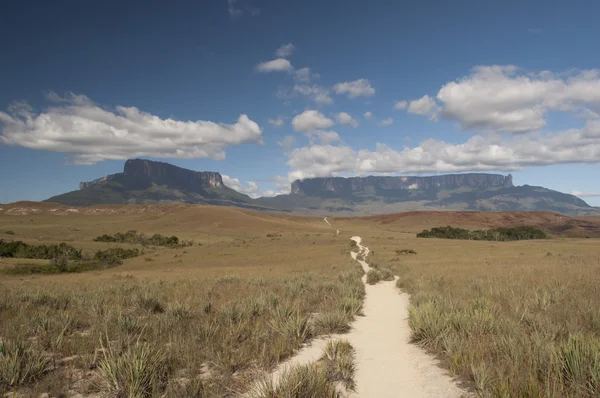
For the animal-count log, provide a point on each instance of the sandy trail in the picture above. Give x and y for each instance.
(387, 364)
(325, 219)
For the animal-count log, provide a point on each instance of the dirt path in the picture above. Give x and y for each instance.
(387, 364)
(328, 223)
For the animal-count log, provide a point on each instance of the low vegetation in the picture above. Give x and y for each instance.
(497, 234)
(172, 338)
(20, 249)
(321, 379)
(404, 252)
(65, 264)
(511, 327)
(134, 237)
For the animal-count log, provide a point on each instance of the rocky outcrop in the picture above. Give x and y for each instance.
(142, 172)
(371, 184)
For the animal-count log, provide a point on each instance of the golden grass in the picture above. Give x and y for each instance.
(510, 318)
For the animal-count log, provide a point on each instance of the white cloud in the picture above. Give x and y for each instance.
(423, 106)
(76, 125)
(285, 50)
(368, 115)
(400, 105)
(311, 120)
(276, 65)
(386, 122)
(304, 75)
(356, 88)
(346, 118)
(507, 99)
(586, 194)
(479, 153)
(278, 122)
(317, 93)
(287, 142)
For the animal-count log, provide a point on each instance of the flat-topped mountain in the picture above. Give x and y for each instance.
(390, 194)
(335, 186)
(145, 181)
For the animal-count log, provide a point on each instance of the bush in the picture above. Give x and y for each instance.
(134, 237)
(405, 252)
(338, 357)
(332, 322)
(20, 249)
(498, 234)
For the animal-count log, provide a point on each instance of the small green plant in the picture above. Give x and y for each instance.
(332, 322)
(304, 381)
(338, 357)
(20, 363)
(139, 371)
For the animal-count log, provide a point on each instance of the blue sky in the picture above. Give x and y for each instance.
(269, 91)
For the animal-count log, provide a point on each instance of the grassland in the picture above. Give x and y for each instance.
(200, 320)
(509, 318)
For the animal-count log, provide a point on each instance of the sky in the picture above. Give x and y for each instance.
(266, 92)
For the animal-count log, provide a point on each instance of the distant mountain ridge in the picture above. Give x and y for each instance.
(145, 181)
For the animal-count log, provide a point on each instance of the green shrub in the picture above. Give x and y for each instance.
(498, 234)
(20, 249)
(405, 252)
(134, 237)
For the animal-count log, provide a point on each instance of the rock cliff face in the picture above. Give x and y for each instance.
(142, 172)
(339, 186)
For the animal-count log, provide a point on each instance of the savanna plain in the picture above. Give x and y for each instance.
(214, 311)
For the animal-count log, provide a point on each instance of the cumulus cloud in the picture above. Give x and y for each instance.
(509, 100)
(423, 106)
(76, 125)
(368, 115)
(586, 194)
(251, 189)
(400, 105)
(346, 118)
(491, 152)
(276, 65)
(285, 50)
(319, 94)
(311, 120)
(356, 88)
(278, 122)
(386, 122)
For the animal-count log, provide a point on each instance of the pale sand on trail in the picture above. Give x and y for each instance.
(387, 365)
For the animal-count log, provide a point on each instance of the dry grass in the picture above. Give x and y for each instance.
(512, 318)
(194, 321)
(509, 318)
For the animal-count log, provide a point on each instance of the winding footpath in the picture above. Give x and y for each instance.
(387, 365)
